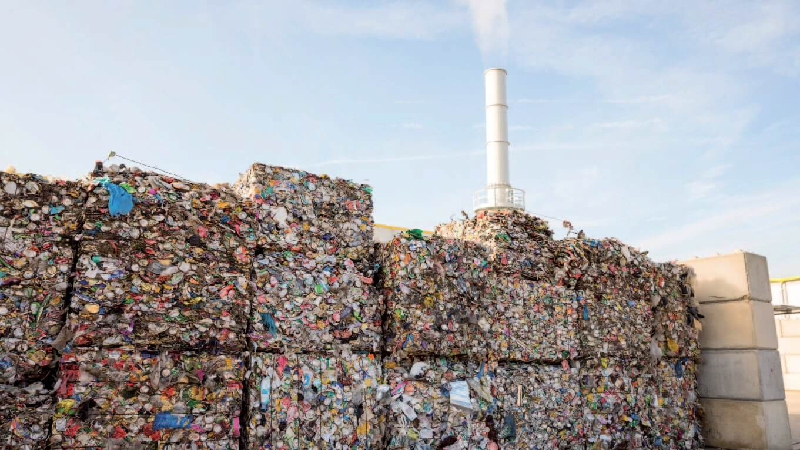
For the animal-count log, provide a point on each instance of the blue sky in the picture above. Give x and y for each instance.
(673, 126)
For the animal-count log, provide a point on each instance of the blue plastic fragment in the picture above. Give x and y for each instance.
(120, 201)
(167, 420)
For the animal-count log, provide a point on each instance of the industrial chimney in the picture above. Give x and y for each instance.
(498, 193)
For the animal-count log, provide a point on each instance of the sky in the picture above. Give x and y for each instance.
(672, 126)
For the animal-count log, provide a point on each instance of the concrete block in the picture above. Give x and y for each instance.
(731, 277)
(741, 375)
(742, 324)
(788, 328)
(746, 424)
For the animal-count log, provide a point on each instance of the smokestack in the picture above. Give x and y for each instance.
(498, 193)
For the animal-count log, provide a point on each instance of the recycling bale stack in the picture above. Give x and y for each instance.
(158, 315)
(639, 328)
(676, 331)
(313, 272)
(469, 337)
(461, 403)
(168, 271)
(519, 244)
(532, 337)
(309, 400)
(316, 318)
(433, 288)
(633, 321)
(530, 304)
(220, 317)
(124, 398)
(617, 284)
(37, 218)
(25, 413)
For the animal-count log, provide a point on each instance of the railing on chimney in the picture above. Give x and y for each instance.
(498, 198)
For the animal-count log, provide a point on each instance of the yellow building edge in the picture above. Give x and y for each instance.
(390, 227)
(784, 280)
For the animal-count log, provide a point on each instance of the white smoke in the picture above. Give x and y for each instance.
(490, 24)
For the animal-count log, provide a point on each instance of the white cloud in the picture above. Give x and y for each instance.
(682, 234)
(409, 126)
(390, 159)
(707, 183)
(754, 33)
(642, 99)
(394, 19)
(698, 189)
(540, 100)
(634, 123)
(623, 101)
(739, 222)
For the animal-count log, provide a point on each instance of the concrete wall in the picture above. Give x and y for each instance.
(788, 328)
(741, 380)
(786, 291)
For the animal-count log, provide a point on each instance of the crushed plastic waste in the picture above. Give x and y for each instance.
(444, 297)
(300, 401)
(37, 219)
(518, 243)
(124, 397)
(632, 315)
(455, 403)
(313, 302)
(433, 289)
(260, 315)
(676, 414)
(172, 273)
(305, 212)
(168, 295)
(210, 217)
(619, 396)
(677, 317)
(312, 273)
(25, 413)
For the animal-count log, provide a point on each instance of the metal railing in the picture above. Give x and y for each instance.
(498, 198)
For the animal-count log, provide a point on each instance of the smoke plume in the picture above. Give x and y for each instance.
(490, 25)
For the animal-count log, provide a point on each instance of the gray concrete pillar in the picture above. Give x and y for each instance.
(740, 384)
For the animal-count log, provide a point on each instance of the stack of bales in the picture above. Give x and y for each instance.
(163, 267)
(677, 413)
(640, 328)
(464, 328)
(37, 219)
(313, 400)
(25, 413)
(463, 403)
(316, 318)
(633, 322)
(218, 317)
(127, 398)
(434, 289)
